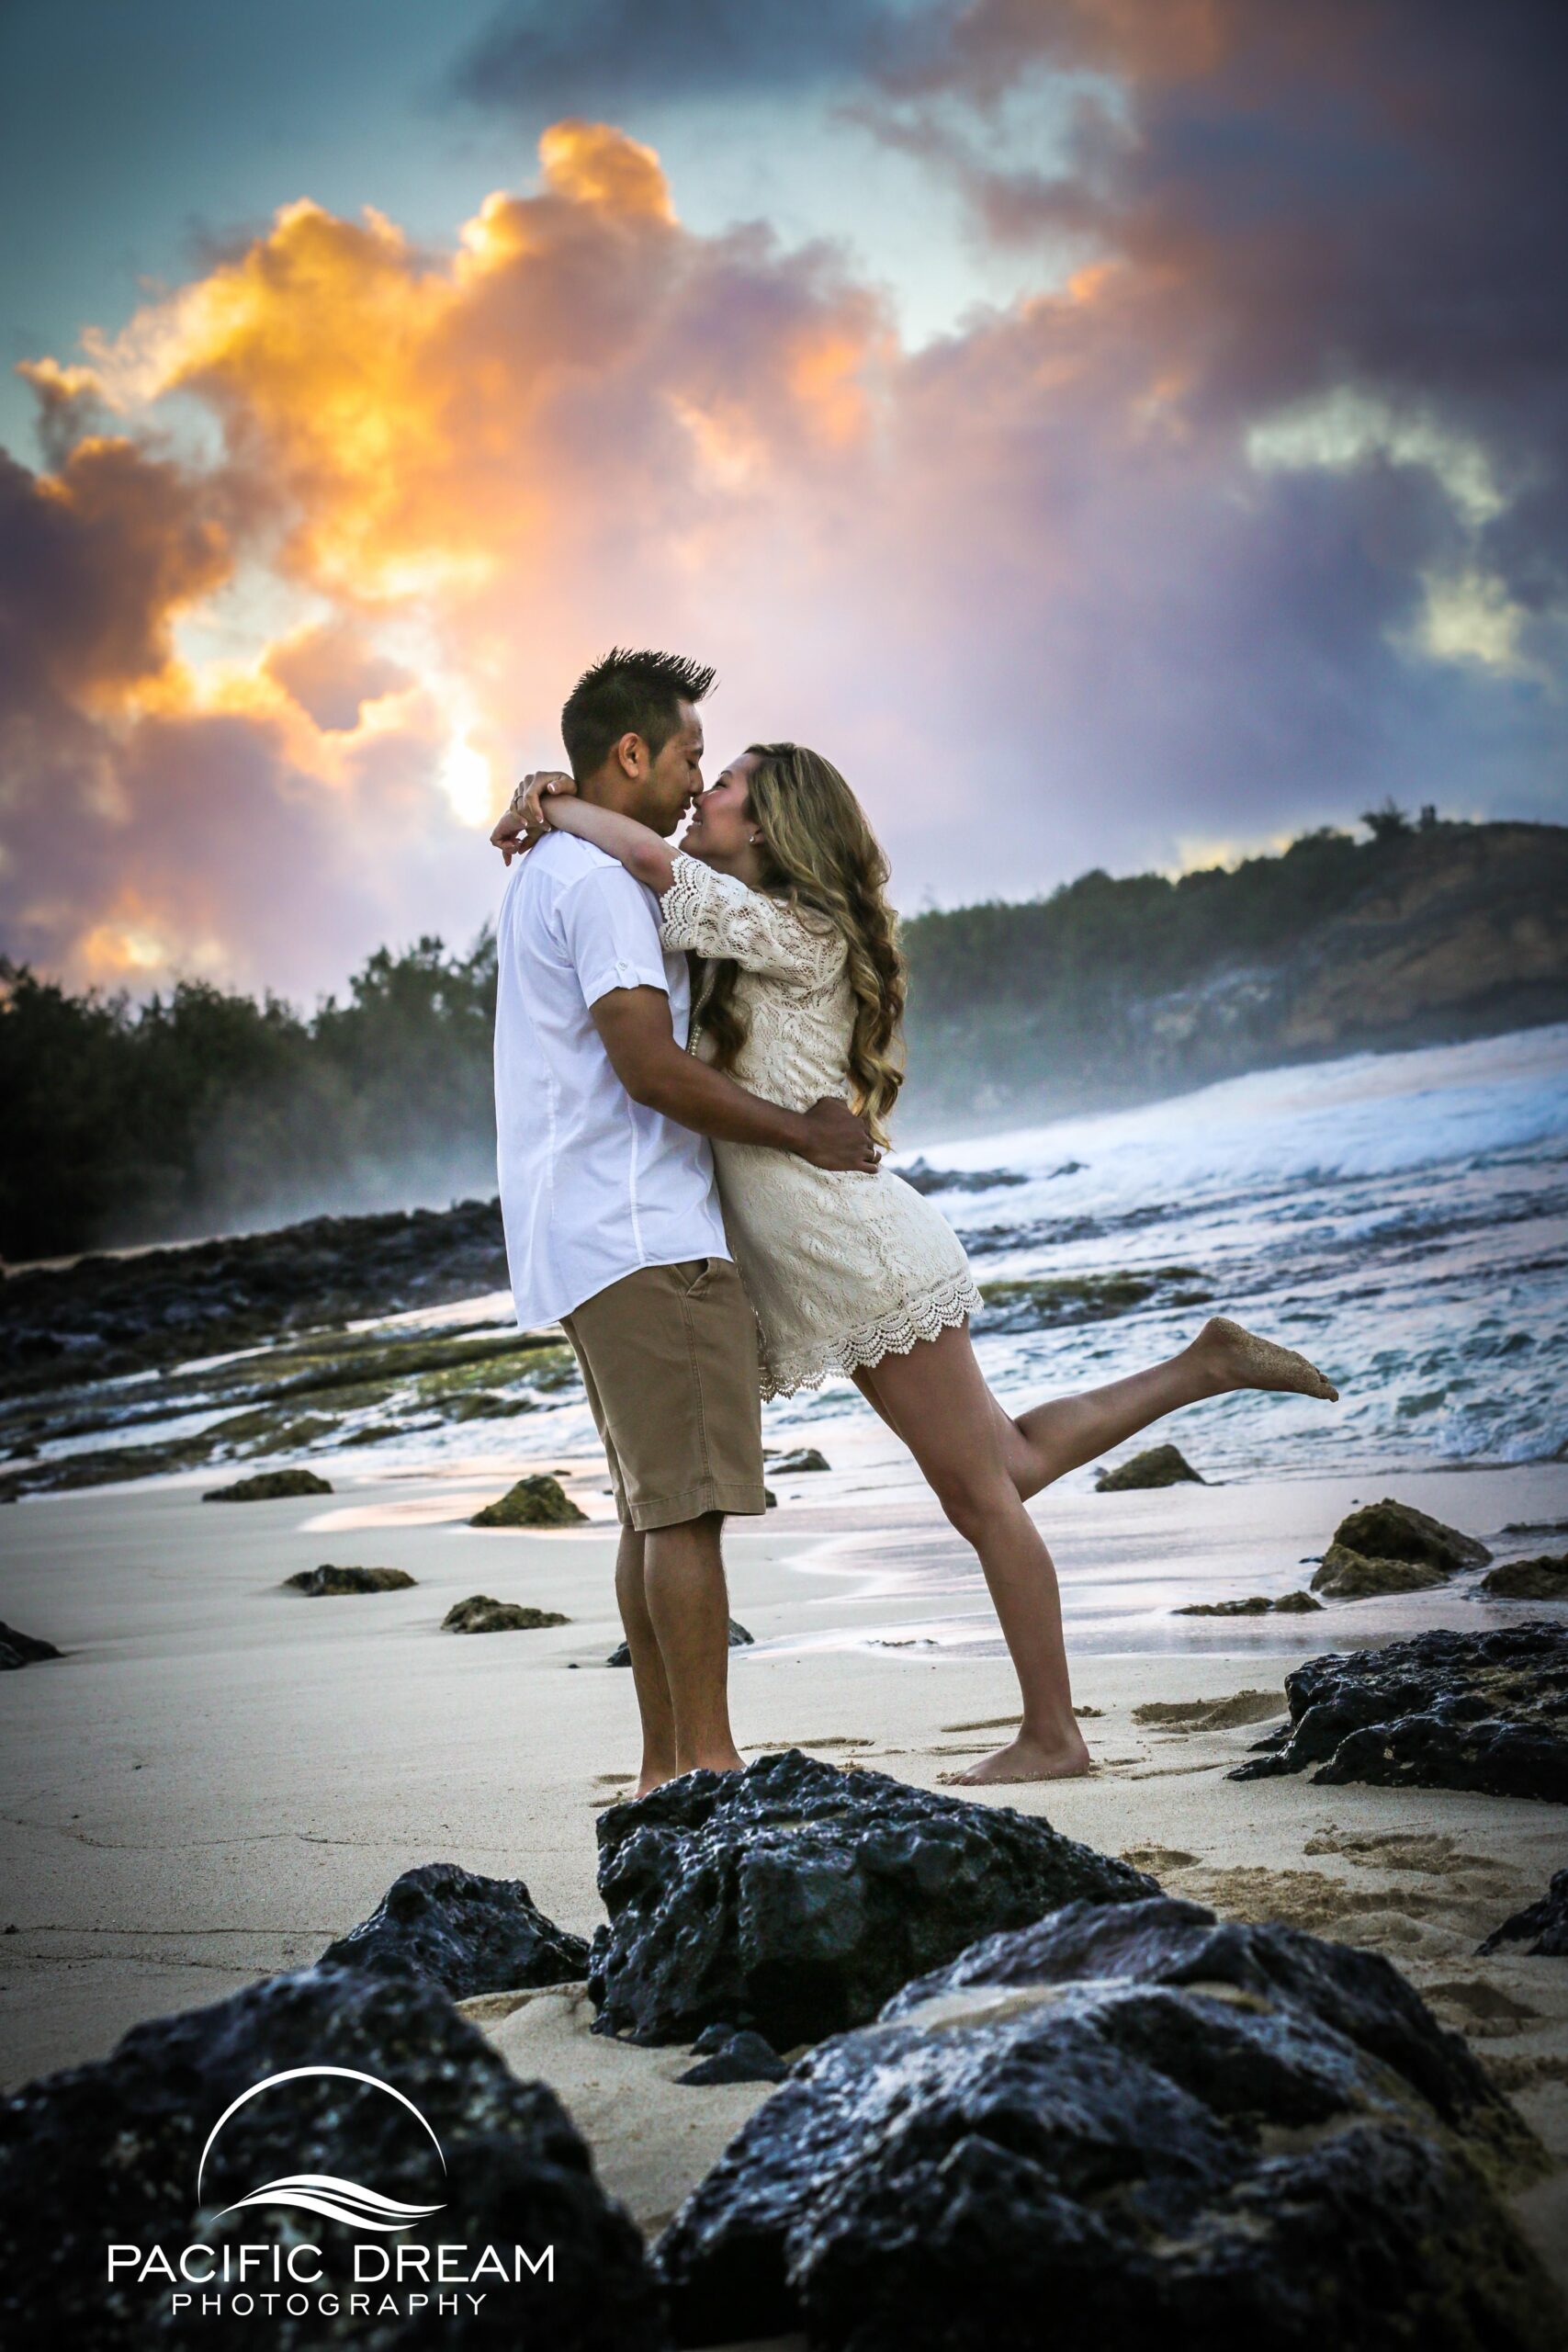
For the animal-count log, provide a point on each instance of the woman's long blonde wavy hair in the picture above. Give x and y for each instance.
(819, 850)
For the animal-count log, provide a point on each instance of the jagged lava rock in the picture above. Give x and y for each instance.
(1547, 1921)
(480, 1614)
(1157, 1465)
(1183, 2133)
(1487, 1711)
(794, 1464)
(1543, 1579)
(739, 1639)
(794, 1898)
(539, 1501)
(109, 2152)
(269, 1487)
(328, 1579)
(446, 1925)
(22, 1649)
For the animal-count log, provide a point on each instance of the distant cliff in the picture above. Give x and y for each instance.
(1114, 990)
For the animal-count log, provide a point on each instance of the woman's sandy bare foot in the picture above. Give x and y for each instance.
(1245, 1361)
(1030, 1759)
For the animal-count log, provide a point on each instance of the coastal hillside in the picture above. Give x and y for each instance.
(205, 1111)
(1112, 991)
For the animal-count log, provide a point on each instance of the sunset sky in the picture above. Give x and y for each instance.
(1116, 431)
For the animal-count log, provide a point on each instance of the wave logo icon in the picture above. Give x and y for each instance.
(324, 2192)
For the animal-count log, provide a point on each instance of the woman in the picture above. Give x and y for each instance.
(778, 886)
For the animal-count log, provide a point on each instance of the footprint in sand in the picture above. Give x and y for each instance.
(1482, 2009)
(1212, 1715)
(1158, 1858)
(1011, 1723)
(1430, 1852)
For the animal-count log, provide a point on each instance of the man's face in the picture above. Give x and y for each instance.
(675, 778)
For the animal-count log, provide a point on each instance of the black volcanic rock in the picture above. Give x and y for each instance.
(794, 1898)
(726, 2055)
(22, 1649)
(1179, 2131)
(480, 1614)
(1258, 1604)
(1547, 1921)
(445, 1926)
(739, 1639)
(1486, 1711)
(330, 1580)
(1157, 1465)
(269, 1487)
(108, 2153)
(799, 1459)
(104, 1315)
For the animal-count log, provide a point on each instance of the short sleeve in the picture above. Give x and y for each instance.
(609, 933)
(717, 915)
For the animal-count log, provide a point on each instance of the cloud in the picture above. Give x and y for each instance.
(1254, 515)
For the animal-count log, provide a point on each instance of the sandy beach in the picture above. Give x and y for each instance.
(218, 1776)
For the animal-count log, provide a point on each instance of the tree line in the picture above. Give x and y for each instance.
(205, 1109)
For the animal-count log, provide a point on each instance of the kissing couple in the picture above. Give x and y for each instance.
(697, 1052)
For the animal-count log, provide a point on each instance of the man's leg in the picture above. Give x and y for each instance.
(688, 1612)
(647, 1666)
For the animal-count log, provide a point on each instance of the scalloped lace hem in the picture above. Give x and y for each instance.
(893, 1333)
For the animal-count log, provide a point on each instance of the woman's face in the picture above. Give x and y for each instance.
(722, 824)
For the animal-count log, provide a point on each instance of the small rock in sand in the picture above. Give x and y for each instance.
(1157, 1465)
(739, 1639)
(269, 1487)
(538, 1501)
(792, 1465)
(327, 1580)
(1389, 1546)
(1542, 1579)
(1547, 1921)
(480, 1614)
(469, 1934)
(725, 2054)
(22, 1649)
(1290, 1604)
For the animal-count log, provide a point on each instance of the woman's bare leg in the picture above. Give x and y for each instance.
(1042, 1443)
(936, 1400)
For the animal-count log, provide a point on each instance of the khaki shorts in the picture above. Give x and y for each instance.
(670, 1360)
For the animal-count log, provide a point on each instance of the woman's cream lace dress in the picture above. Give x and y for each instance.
(842, 1268)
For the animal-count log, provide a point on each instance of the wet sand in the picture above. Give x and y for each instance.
(219, 1777)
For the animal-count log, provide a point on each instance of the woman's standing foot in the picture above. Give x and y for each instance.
(1027, 1759)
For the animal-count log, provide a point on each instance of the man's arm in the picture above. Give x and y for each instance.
(635, 1026)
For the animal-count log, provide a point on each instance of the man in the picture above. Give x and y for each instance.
(609, 1200)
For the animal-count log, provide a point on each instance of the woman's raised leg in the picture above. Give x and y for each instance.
(936, 1400)
(1041, 1444)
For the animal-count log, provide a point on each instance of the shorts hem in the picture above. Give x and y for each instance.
(695, 1502)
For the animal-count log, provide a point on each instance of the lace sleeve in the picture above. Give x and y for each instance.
(717, 915)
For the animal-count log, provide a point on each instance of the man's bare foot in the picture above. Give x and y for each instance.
(1242, 1360)
(1024, 1758)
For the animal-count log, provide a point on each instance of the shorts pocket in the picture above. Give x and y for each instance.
(694, 1276)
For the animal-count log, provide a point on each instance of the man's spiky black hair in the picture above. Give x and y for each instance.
(627, 694)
